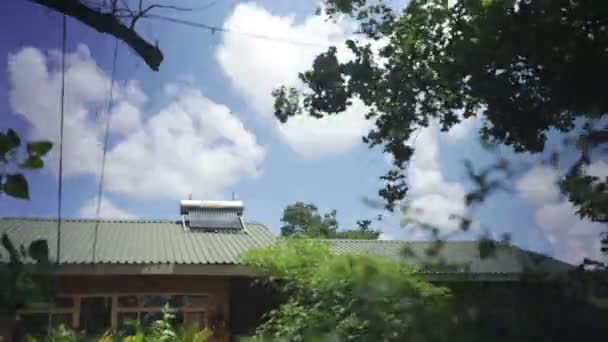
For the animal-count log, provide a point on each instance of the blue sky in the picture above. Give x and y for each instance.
(203, 125)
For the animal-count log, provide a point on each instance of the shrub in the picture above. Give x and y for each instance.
(347, 297)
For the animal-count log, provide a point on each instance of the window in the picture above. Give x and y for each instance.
(191, 309)
(36, 318)
(35, 324)
(96, 313)
(196, 301)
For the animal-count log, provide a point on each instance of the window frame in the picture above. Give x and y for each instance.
(52, 310)
(116, 309)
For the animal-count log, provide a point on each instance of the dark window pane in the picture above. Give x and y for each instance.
(161, 300)
(147, 318)
(197, 319)
(59, 319)
(95, 314)
(64, 302)
(34, 324)
(153, 301)
(197, 301)
(176, 301)
(128, 301)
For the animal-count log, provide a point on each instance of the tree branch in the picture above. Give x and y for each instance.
(107, 23)
(143, 12)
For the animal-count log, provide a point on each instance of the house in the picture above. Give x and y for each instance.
(109, 271)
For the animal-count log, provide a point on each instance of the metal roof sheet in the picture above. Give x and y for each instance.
(137, 241)
(457, 256)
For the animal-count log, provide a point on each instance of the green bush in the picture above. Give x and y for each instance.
(347, 297)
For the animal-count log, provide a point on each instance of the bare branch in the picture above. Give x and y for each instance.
(126, 7)
(182, 9)
(107, 23)
(142, 13)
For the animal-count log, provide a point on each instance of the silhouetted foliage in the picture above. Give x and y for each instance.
(12, 162)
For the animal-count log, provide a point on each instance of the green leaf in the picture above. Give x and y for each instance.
(16, 186)
(8, 141)
(39, 148)
(32, 162)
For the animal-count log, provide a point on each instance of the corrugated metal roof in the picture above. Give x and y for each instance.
(463, 254)
(137, 241)
(166, 242)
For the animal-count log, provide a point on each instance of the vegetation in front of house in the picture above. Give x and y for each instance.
(347, 297)
(164, 330)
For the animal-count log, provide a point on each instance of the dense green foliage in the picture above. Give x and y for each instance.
(304, 220)
(522, 67)
(347, 297)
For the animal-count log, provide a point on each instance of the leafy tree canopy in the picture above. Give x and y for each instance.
(304, 220)
(522, 67)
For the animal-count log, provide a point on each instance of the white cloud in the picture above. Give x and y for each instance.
(191, 145)
(107, 210)
(35, 93)
(572, 238)
(255, 67)
(434, 200)
(463, 129)
(539, 185)
(126, 118)
(598, 169)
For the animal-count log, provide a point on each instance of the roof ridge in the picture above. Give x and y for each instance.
(35, 218)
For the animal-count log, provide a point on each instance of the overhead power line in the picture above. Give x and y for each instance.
(105, 150)
(62, 105)
(214, 29)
